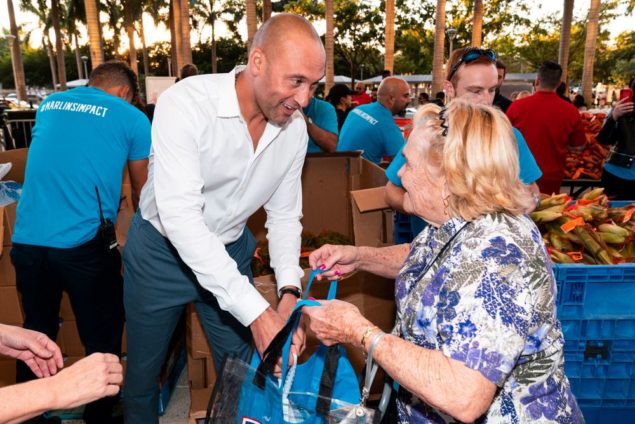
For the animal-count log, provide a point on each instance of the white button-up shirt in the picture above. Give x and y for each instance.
(205, 180)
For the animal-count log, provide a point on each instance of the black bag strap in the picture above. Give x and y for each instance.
(327, 382)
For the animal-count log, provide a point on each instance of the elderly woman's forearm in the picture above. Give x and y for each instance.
(441, 382)
(383, 261)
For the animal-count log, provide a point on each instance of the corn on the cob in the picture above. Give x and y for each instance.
(614, 229)
(544, 216)
(611, 238)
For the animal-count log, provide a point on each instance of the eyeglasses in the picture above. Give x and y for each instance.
(469, 56)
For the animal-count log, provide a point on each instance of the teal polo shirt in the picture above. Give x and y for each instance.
(323, 115)
(371, 128)
(529, 170)
(82, 139)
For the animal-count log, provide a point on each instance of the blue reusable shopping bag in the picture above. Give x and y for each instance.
(312, 392)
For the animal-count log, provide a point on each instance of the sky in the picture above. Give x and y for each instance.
(542, 8)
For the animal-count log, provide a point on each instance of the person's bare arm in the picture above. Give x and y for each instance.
(340, 260)
(92, 378)
(325, 139)
(138, 175)
(441, 382)
(35, 349)
(394, 196)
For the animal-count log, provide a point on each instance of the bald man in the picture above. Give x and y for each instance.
(223, 145)
(371, 127)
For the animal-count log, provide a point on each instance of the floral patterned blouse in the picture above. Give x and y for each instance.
(488, 301)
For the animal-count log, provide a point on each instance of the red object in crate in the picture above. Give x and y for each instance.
(405, 125)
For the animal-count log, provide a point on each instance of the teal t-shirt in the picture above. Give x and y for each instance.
(82, 139)
(371, 128)
(324, 116)
(529, 170)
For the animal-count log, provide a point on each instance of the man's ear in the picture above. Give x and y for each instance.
(257, 60)
(449, 89)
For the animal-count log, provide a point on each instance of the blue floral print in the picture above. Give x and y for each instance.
(489, 302)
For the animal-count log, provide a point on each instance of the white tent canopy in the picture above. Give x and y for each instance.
(76, 83)
(337, 79)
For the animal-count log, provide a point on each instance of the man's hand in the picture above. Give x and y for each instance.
(285, 307)
(91, 378)
(621, 108)
(265, 327)
(35, 349)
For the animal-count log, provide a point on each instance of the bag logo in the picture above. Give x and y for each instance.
(248, 420)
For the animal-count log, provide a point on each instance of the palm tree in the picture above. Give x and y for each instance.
(46, 41)
(477, 24)
(252, 24)
(266, 10)
(40, 10)
(389, 56)
(185, 32)
(115, 12)
(16, 55)
(177, 39)
(155, 8)
(75, 13)
(565, 39)
(210, 11)
(133, 12)
(439, 44)
(59, 44)
(589, 50)
(94, 33)
(329, 45)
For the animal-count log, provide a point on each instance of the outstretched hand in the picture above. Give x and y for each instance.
(334, 260)
(91, 378)
(35, 349)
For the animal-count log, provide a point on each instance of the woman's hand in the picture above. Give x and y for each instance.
(335, 321)
(336, 260)
(621, 108)
(39, 352)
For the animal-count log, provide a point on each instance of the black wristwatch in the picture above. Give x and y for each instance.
(291, 290)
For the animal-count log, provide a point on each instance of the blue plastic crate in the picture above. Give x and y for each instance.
(596, 307)
(595, 291)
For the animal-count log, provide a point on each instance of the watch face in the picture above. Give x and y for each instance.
(310, 120)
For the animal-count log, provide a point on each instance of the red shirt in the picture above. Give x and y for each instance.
(361, 99)
(549, 124)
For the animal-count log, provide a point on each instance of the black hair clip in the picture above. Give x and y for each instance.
(443, 125)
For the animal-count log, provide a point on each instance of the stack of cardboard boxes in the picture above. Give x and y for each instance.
(342, 192)
(10, 305)
(68, 336)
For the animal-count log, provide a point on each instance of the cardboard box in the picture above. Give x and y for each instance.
(372, 217)
(10, 306)
(17, 157)
(66, 311)
(327, 180)
(195, 337)
(7, 220)
(7, 372)
(7, 271)
(198, 407)
(201, 372)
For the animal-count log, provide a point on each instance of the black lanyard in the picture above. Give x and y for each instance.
(438, 255)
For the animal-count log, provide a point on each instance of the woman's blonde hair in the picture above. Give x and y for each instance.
(478, 156)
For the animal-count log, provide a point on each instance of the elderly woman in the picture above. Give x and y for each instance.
(476, 336)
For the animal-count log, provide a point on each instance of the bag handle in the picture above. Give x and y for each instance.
(281, 343)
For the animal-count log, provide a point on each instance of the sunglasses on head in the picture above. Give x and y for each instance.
(469, 56)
